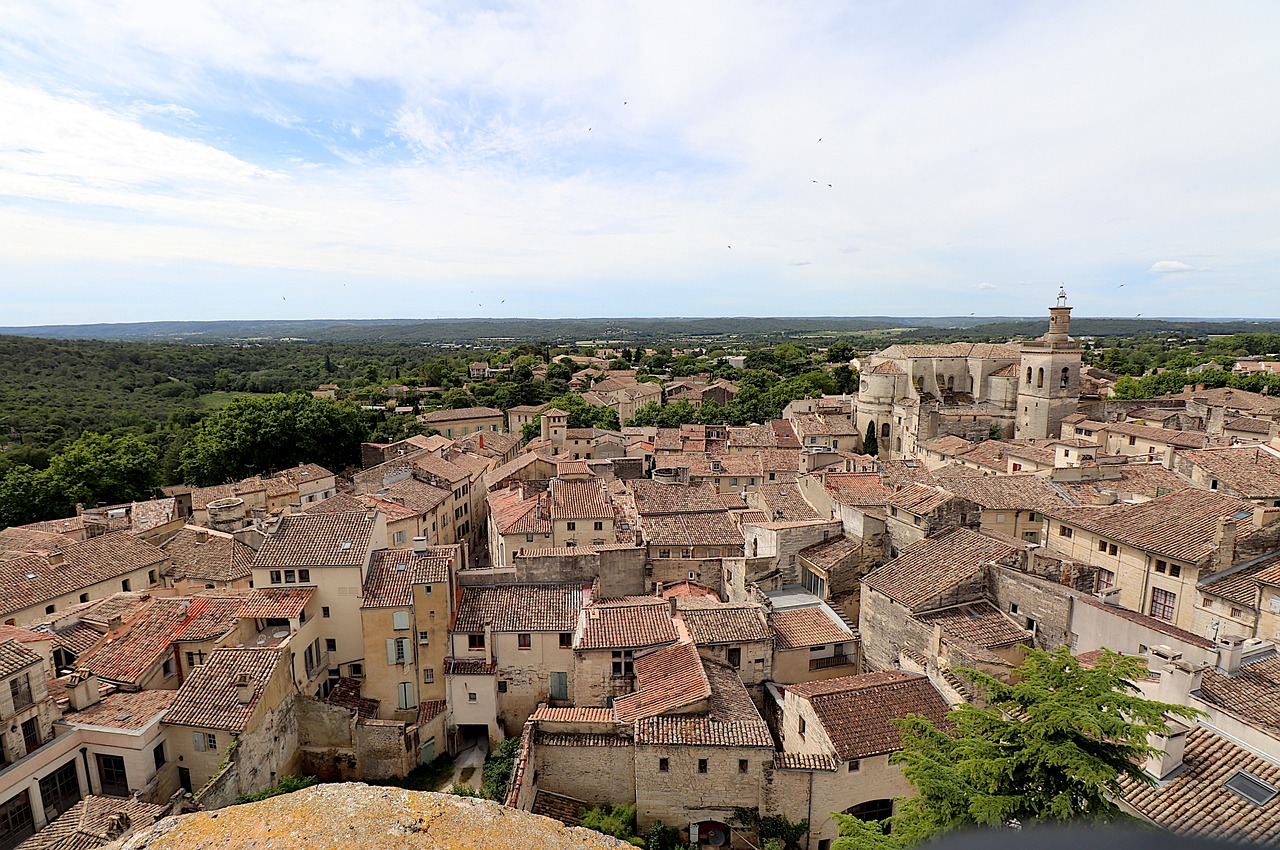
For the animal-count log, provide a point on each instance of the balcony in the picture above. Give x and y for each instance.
(830, 662)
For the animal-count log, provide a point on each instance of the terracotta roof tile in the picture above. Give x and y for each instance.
(205, 555)
(931, 567)
(574, 714)
(460, 413)
(579, 500)
(624, 627)
(1196, 801)
(518, 608)
(129, 710)
(805, 761)
(978, 623)
(345, 693)
(666, 679)
(725, 624)
(1252, 694)
(730, 720)
(207, 699)
(795, 628)
(858, 489)
(32, 579)
(327, 540)
(393, 573)
(15, 657)
(655, 497)
(129, 657)
(688, 530)
(275, 602)
(89, 824)
(1250, 470)
(468, 667)
(829, 553)
(857, 712)
(1179, 525)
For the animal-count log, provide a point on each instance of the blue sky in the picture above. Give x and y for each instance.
(347, 159)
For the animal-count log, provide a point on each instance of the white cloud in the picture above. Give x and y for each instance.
(459, 155)
(1172, 267)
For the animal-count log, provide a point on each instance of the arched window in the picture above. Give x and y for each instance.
(1066, 378)
(873, 811)
(898, 446)
(1039, 378)
(884, 431)
(1028, 376)
(971, 383)
(951, 383)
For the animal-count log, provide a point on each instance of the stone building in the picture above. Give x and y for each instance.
(914, 393)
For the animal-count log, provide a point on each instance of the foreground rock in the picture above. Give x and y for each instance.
(353, 815)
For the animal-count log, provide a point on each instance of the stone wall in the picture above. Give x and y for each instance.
(593, 681)
(1038, 599)
(705, 571)
(590, 770)
(382, 749)
(621, 570)
(682, 795)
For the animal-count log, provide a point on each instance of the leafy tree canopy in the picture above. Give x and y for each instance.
(1052, 747)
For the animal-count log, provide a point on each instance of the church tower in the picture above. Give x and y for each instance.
(1049, 377)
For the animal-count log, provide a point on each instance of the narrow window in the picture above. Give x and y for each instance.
(664, 765)
(702, 765)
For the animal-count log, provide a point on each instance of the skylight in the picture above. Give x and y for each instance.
(1251, 788)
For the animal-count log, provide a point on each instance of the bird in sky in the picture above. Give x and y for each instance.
(1121, 286)
(819, 138)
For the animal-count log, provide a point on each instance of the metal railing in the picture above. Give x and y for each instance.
(832, 661)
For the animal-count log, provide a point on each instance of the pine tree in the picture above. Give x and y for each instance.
(869, 444)
(1052, 747)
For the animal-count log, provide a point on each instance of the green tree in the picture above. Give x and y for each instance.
(253, 435)
(839, 352)
(846, 379)
(97, 468)
(870, 445)
(498, 767)
(1054, 746)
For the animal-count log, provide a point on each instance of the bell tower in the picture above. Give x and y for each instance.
(1048, 377)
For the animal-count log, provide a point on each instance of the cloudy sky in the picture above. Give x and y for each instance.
(189, 160)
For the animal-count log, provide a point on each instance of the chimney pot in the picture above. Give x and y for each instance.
(244, 689)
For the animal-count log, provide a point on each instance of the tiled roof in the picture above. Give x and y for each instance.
(439, 469)
(886, 367)
(304, 473)
(1196, 801)
(575, 714)
(460, 413)
(199, 553)
(655, 497)
(207, 699)
(1232, 399)
(856, 488)
(514, 514)
(830, 552)
(275, 602)
(129, 657)
(210, 617)
(931, 567)
(1179, 525)
(327, 540)
(978, 623)
(784, 502)
(23, 541)
(1187, 439)
(857, 712)
(340, 503)
(725, 624)
(468, 667)
(686, 589)
(415, 494)
(805, 761)
(129, 710)
(687, 530)
(1248, 424)
(393, 573)
(919, 498)
(1251, 470)
(1004, 492)
(1240, 584)
(22, 635)
(345, 693)
(430, 710)
(731, 719)
(1252, 694)
(624, 627)
(88, 824)
(579, 500)
(14, 657)
(518, 608)
(666, 679)
(497, 475)
(1142, 479)
(32, 579)
(968, 350)
(794, 628)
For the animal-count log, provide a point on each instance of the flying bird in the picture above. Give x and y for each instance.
(1121, 286)
(819, 138)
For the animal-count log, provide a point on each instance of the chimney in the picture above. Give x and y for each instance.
(1171, 745)
(1264, 516)
(55, 558)
(82, 690)
(671, 607)
(419, 545)
(244, 689)
(115, 623)
(1168, 457)
(1230, 650)
(202, 536)
(657, 588)
(1224, 540)
(488, 643)
(1178, 681)
(480, 442)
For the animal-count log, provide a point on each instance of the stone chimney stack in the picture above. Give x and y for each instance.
(1225, 542)
(1171, 747)
(244, 689)
(419, 545)
(83, 690)
(1230, 651)
(1178, 681)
